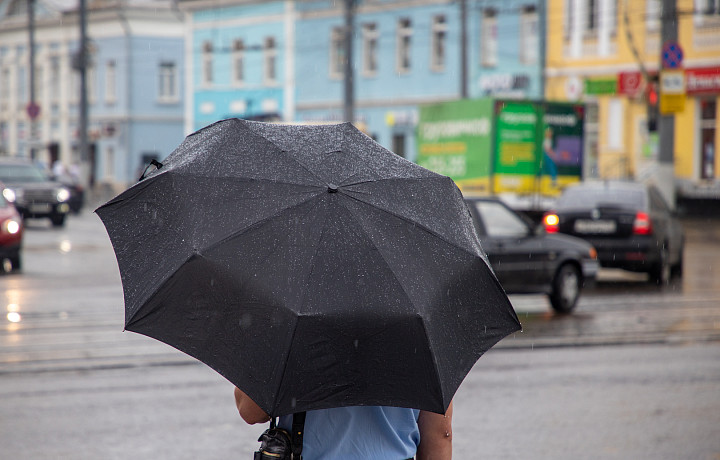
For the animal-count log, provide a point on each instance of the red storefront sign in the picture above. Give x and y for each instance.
(630, 83)
(702, 81)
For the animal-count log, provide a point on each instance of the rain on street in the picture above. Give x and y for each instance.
(633, 373)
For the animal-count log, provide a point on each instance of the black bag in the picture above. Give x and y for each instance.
(278, 444)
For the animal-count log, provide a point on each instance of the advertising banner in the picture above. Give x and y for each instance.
(539, 147)
(516, 146)
(497, 146)
(454, 139)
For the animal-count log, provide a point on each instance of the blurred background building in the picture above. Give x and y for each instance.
(135, 89)
(161, 69)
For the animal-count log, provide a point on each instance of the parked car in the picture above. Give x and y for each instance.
(32, 192)
(630, 225)
(11, 234)
(527, 260)
(77, 191)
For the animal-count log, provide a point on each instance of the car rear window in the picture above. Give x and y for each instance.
(21, 173)
(582, 198)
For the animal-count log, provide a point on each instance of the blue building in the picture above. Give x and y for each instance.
(134, 86)
(284, 60)
(240, 57)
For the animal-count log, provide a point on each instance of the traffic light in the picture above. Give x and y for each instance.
(651, 102)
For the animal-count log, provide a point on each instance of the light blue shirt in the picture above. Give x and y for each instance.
(359, 433)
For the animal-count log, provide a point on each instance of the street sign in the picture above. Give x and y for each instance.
(33, 110)
(672, 91)
(672, 55)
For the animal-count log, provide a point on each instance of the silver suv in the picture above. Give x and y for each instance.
(32, 192)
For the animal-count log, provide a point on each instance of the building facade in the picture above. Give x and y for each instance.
(134, 86)
(285, 60)
(608, 54)
(239, 56)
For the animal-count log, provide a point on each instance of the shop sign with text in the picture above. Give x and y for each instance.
(702, 81)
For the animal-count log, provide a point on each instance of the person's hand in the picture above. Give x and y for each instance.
(249, 411)
(435, 435)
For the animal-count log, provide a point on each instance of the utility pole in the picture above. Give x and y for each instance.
(81, 65)
(463, 50)
(666, 122)
(349, 99)
(32, 108)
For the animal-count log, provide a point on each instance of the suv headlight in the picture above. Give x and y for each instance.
(62, 194)
(9, 194)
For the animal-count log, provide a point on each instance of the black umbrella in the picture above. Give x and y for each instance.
(308, 265)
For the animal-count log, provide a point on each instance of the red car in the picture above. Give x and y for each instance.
(11, 233)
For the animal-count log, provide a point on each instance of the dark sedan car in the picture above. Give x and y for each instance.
(629, 224)
(526, 260)
(32, 192)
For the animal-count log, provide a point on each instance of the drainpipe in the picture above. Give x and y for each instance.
(125, 24)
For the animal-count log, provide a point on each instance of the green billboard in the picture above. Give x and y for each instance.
(496, 146)
(455, 139)
(538, 146)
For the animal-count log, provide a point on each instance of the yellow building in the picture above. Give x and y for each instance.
(603, 52)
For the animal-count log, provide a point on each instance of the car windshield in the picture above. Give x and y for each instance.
(585, 198)
(499, 221)
(21, 173)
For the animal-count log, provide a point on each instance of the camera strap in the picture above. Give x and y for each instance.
(298, 429)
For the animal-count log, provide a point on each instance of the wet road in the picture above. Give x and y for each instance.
(69, 302)
(72, 385)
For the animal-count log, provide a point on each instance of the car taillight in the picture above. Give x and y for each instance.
(642, 224)
(551, 222)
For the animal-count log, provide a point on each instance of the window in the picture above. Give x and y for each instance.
(4, 87)
(615, 123)
(337, 52)
(22, 91)
(54, 80)
(91, 87)
(207, 64)
(438, 45)
(499, 221)
(370, 43)
(38, 86)
(489, 38)
(568, 17)
(529, 35)
(167, 82)
(109, 163)
(270, 67)
(398, 144)
(110, 82)
(709, 7)
(238, 59)
(707, 12)
(404, 38)
(591, 14)
(652, 15)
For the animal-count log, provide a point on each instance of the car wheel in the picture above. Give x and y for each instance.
(565, 289)
(15, 262)
(58, 220)
(661, 271)
(677, 269)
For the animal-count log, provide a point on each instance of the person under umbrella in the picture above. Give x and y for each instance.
(319, 273)
(365, 432)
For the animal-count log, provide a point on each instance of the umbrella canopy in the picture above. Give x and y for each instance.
(309, 266)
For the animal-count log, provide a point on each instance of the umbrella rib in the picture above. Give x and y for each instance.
(402, 286)
(416, 224)
(244, 179)
(311, 267)
(257, 223)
